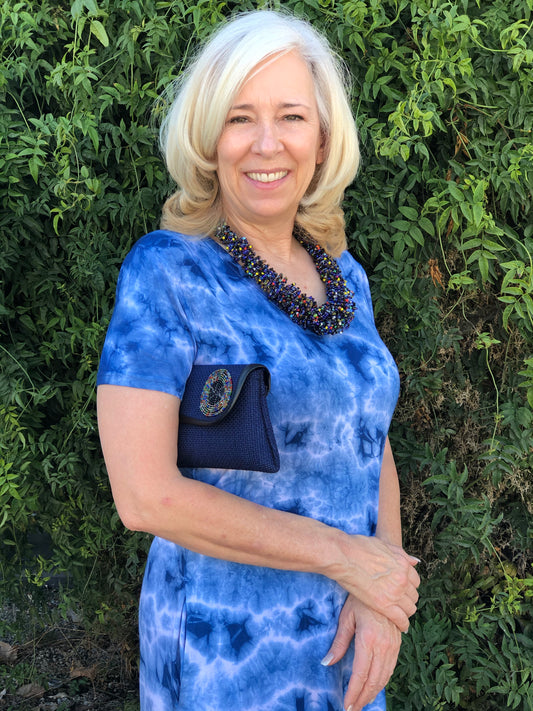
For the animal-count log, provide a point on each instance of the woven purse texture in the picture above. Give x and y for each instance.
(224, 419)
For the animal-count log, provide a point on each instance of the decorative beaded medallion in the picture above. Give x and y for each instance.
(216, 393)
(332, 317)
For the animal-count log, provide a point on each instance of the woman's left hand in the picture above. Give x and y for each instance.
(377, 644)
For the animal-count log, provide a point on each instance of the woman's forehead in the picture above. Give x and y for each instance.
(286, 75)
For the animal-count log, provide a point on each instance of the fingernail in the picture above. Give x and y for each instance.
(327, 661)
(415, 558)
(350, 708)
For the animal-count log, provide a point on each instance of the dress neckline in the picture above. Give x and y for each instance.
(332, 317)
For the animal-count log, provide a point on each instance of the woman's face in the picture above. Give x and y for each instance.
(270, 145)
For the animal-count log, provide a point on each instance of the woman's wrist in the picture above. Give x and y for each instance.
(342, 551)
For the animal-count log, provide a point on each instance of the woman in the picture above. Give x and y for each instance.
(255, 583)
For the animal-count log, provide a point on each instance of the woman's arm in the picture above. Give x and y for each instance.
(138, 431)
(389, 525)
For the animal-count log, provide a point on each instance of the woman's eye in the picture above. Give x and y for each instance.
(238, 119)
(294, 117)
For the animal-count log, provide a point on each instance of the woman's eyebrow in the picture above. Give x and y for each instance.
(284, 105)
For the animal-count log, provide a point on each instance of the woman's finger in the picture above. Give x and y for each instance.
(358, 686)
(344, 635)
(377, 677)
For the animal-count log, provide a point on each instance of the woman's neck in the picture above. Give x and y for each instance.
(274, 243)
(283, 253)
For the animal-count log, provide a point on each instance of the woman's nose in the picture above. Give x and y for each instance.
(267, 140)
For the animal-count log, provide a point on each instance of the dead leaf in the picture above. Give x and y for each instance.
(85, 672)
(8, 654)
(30, 690)
(435, 272)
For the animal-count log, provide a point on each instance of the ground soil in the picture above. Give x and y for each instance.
(51, 663)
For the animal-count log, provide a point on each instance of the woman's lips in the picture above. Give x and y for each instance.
(267, 177)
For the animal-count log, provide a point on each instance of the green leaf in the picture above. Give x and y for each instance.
(477, 211)
(427, 226)
(92, 7)
(483, 266)
(466, 209)
(98, 30)
(410, 212)
(417, 235)
(471, 244)
(401, 225)
(479, 192)
(34, 165)
(404, 152)
(455, 192)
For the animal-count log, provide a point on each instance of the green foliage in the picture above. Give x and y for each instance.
(440, 216)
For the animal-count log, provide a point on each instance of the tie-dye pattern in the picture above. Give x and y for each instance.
(219, 636)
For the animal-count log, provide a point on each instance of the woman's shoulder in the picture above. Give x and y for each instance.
(166, 258)
(169, 241)
(166, 250)
(351, 268)
(356, 279)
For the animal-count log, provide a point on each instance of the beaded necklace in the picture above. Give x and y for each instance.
(332, 317)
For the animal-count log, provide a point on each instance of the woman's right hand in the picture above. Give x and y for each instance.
(382, 576)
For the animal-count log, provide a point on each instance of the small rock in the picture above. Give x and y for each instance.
(27, 691)
(74, 616)
(8, 654)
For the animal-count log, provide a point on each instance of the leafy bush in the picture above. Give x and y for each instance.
(440, 216)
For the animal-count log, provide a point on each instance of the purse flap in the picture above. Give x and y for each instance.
(212, 391)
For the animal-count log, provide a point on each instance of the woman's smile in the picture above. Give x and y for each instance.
(267, 177)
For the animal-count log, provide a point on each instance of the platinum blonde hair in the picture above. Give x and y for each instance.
(204, 94)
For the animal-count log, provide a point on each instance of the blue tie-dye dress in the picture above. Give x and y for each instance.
(219, 636)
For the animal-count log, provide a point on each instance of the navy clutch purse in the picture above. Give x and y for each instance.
(224, 419)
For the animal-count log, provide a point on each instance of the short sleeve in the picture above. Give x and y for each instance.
(149, 343)
(357, 281)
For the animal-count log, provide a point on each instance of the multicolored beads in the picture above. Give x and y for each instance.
(216, 392)
(332, 317)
